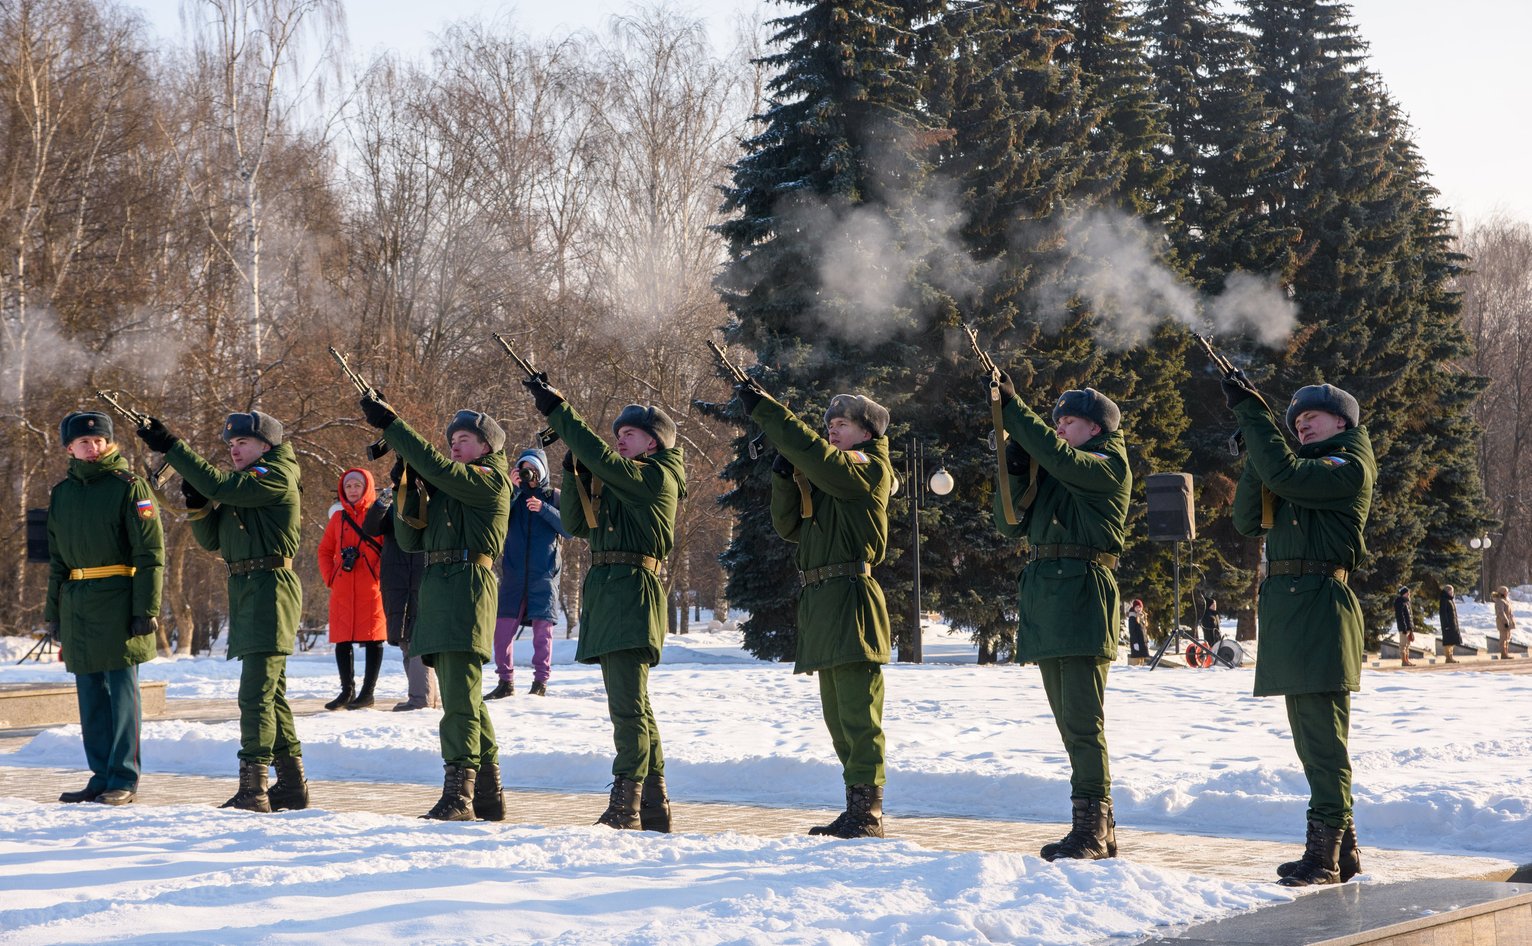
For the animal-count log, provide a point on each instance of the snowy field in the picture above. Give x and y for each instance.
(1441, 766)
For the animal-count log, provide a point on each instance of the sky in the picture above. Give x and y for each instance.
(1459, 70)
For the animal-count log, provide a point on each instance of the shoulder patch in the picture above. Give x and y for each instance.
(857, 456)
(484, 470)
(259, 471)
(126, 476)
(1099, 456)
(1335, 461)
(145, 508)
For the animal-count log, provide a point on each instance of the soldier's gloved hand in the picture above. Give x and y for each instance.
(1017, 461)
(750, 393)
(157, 435)
(1237, 389)
(1007, 386)
(569, 460)
(194, 498)
(53, 630)
(782, 466)
(377, 411)
(544, 395)
(144, 624)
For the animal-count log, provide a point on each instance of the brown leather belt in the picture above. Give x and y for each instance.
(1303, 566)
(840, 570)
(458, 557)
(269, 563)
(1083, 552)
(648, 562)
(102, 571)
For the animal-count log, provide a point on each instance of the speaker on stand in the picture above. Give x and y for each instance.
(1172, 519)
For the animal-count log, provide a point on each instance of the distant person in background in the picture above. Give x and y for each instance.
(399, 583)
(1138, 634)
(1505, 621)
(349, 566)
(1210, 630)
(1452, 635)
(1405, 622)
(529, 574)
(106, 556)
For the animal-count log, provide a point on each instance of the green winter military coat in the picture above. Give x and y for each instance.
(623, 607)
(468, 506)
(843, 619)
(1068, 607)
(1311, 625)
(251, 513)
(101, 514)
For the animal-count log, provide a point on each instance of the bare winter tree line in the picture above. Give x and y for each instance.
(194, 225)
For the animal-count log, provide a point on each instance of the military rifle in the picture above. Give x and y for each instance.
(998, 435)
(158, 475)
(547, 436)
(379, 447)
(1228, 370)
(753, 448)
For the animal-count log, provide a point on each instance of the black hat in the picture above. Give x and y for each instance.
(1324, 397)
(254, 424)
(480, 425)
(650, 419)
(84, 424)
(1091, 405)
(861, 411)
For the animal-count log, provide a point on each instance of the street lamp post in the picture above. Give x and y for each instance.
(1482, 544)
(941, 484)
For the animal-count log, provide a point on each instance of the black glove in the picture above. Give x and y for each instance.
(1007, 386)
(751, 393)
(377, 412)
(53, 630)
(396, 472)
(544, 395)
(1017, 461)
(782, 466)
(194, 498)
(144, 624)
(157, 435)
(1237, 389)
(569, 460)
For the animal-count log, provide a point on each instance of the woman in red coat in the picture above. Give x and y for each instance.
(348, 562)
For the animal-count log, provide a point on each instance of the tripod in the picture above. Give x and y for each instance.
(44, 647)
(1193, 645)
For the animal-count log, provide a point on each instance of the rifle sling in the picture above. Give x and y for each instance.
(1007, 506)
(404, 485)
(805, 499)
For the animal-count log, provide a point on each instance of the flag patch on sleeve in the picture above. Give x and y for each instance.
(259, 471)
(1099, 456)
(1335, 461)
(483, 469)
(145, 508)
(858, 456)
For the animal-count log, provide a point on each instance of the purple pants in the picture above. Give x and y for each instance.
(542, 647)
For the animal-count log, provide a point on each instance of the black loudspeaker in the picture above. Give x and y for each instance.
(1170, 507)
(37, 535)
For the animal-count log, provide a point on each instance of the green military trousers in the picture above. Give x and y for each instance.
(110, 714)
(467, 735)
(634, 731)
(1321, 727)
(1076, 688)
(851, 697)
(266, 728)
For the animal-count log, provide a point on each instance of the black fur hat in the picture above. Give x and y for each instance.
(84, 424)
(651, 419)
(254, 424)
(480, 425)
(1091, 405)
(861, 411)
(1324, 397)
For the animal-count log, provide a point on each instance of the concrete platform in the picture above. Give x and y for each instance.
(25, 705)
(1414, 913)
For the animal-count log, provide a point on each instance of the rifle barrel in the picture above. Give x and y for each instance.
(531, 373)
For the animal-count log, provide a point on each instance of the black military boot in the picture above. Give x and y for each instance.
(622, 810)
(1092, 833)
(864, 813)
(74, 798)
(488, 798)
(1349, 862)
(834, 827)
(1320, 863)
(502, 690)
(252, 789)
(456, 803)
(654, 809)
(291, 791)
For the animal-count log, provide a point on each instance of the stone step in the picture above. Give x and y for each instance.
(28, 705)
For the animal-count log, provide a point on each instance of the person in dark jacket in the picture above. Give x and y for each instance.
(399, 581)
(529, 574)
(250, 516)
(106, 553)
(1452, 634)
(1138, 634)
(1405, 622)
(1210, 630)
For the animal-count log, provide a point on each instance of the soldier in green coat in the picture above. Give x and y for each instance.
(250, 517)
(1311, 505)
(829, 495)
(1070, 484)
(627, 505)
(456, 514)
(106, 555)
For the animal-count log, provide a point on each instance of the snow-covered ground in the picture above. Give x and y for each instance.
(1441, 763)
